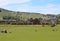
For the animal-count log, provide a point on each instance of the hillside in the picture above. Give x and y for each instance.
(23, 15)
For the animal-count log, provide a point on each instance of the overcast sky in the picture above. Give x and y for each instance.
(38, 6)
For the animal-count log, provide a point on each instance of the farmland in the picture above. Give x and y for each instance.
(30, 33)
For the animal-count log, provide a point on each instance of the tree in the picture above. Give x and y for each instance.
(6, 17)
(40, 19)
(36, 21)
(17, 18)
(53, 23)
(31, 19)
(43, 22)
(0, 11)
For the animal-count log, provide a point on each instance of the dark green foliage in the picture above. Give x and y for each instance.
(36, 21)
(0, 11)
(6, 17)
(31, 19)
(11, 18)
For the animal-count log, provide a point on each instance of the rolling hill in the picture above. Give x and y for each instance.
(23, 15)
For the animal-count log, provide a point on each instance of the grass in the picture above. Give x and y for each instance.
(28, 33)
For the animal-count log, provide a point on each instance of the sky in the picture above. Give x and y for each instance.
(38, 6)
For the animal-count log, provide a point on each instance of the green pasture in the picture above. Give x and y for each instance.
(30, 33)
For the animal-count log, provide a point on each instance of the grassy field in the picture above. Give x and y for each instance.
(30, 33)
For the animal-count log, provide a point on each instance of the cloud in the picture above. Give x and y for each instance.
(50, 9)
(46, 1)
(6, 2)
(47, 9)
